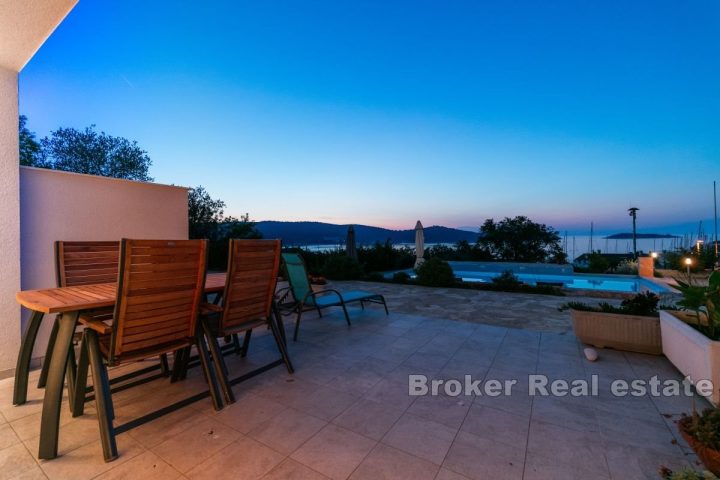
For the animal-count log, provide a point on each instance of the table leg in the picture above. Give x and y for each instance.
(42, 379)
(50, 422)
(22, 368)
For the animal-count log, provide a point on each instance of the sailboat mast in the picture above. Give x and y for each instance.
(716, 237)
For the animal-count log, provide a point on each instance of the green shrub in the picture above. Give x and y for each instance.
(627, 267)
(704, 427)
(597, 263)
(342, 267)
(519, 288)
(435, 273)
(704, 302)
(462, 251)
(401, 277)
(507, 280)
(643, 304)
(685, 474)
(382, 257)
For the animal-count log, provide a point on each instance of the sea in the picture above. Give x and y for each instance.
(575, 245)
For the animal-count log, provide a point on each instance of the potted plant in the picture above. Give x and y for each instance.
(690, 338)
(633, 326)
(685, 474)
(702, 432)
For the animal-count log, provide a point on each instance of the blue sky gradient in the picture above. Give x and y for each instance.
(381, 113)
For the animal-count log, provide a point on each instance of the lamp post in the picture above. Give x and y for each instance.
(633, 214)
(688, 262)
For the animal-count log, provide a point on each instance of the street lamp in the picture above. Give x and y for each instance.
(688, 262)
(633, 213)
(654, 255)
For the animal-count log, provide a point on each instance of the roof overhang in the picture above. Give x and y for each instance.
(24, 27)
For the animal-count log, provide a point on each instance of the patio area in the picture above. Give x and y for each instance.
(346, 412)
(535, 312)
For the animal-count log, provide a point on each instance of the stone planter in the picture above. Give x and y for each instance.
(694, 354)
(622, 332)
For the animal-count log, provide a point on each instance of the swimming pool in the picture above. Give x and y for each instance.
(543, 274)
(607, 283)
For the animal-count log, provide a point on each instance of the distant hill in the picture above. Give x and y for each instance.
(318, 233)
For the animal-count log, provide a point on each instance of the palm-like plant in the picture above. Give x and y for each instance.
(704, 301)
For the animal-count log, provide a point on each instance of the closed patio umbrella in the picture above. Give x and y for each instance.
(419, 244)
(350, 247)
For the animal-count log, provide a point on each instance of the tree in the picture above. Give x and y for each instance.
(242, 227)
(95, 153)
(597, 263)
(30, 150)
(204, 213)
(206, 218)
(520, 239)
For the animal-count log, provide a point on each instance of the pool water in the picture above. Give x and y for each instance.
(606, 283)
(556, 275)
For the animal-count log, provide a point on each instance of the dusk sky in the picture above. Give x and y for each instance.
(385, 112)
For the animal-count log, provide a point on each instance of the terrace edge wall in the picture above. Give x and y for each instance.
(56, 205)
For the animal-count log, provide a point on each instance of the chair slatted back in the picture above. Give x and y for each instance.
(85, 263)
(250, 286)
(160, 289)
(297, 275)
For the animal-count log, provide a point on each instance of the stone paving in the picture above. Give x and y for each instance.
(347, 412)
(514, 310)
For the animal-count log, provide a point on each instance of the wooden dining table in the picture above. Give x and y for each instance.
(70, 302)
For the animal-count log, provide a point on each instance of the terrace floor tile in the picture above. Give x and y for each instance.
(347, 411)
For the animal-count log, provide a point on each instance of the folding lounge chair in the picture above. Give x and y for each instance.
(307, 299)
(247, 303)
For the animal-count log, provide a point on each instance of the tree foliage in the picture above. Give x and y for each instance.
(520, 239)
(84, 151)
(206, 219)
(597, 263)
(30, 150)
(87, 151)
(341, 267)
(462, 251)
(204, 213)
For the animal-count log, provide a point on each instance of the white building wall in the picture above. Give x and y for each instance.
(58, 205)
(24, 26)
(9, 219)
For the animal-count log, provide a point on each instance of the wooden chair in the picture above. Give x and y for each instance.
(86, 263)
(80, 263)
(160, 289)
(247, 302)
